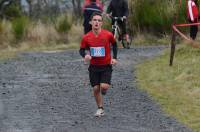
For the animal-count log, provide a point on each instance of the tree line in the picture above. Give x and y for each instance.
(38, 8)
(154, 16)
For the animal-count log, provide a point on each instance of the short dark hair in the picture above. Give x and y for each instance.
(92, 0)
(96, 14)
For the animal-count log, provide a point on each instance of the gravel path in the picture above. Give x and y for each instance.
(50, 92)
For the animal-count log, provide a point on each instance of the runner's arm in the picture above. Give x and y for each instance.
(82, 52)
(83, 47)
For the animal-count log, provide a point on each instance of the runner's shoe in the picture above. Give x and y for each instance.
(99, 113)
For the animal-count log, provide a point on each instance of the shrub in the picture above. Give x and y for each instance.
(63, 24)
(1, 32)
(19, 26)
(155, 16)
(41, 33)
(6, 35)
(107, 24)
(12, 11)
(1, 27)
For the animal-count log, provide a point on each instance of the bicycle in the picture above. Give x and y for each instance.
(117, 32)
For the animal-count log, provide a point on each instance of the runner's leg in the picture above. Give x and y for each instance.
(98, 97)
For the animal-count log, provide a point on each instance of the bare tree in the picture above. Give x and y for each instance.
(30, 7)
(39, 8)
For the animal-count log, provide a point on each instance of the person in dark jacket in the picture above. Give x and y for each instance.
(88, 11)
(119, 8)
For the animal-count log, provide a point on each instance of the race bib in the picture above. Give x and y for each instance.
(97, 51)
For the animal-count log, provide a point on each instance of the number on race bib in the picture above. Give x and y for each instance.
(97, 51)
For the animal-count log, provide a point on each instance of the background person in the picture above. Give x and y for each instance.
(88, 2)
(192, 15)
(88, 11)
(99, 42)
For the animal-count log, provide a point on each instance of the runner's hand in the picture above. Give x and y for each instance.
(87, 58)
(113, 61)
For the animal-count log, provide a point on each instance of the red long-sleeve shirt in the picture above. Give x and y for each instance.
(99, 46)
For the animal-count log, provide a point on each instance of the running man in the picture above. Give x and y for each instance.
(98, 43)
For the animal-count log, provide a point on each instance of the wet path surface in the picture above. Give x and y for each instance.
(50, 92)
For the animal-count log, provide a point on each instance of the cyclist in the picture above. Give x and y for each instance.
(193, 14)
(88, 10)
(119, 8)
(98, 42)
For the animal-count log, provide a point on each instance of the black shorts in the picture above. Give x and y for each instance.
(100, 74)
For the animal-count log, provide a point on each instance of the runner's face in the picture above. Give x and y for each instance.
(96, 22)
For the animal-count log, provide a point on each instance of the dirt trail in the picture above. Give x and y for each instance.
(50, 92)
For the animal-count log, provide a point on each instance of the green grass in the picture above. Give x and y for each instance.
(176, 88)
(146, 39)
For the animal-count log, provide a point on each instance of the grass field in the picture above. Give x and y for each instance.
(176, 88)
